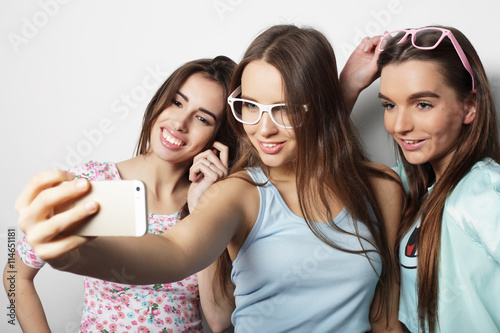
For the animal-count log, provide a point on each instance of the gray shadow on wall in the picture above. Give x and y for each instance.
(368, 117)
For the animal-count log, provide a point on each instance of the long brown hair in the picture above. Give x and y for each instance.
(331, 162)
(476, 141)
(220, 70)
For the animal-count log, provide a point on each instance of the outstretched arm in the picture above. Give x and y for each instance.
(186, 249)
(360, 70)
(29, 309)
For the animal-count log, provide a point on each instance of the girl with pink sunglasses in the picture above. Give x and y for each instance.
(440, 111)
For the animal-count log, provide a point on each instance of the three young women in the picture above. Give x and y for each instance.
(308, 221)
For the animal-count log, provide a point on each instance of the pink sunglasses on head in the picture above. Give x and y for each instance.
(414, 32)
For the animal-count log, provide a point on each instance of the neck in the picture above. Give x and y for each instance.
(166, 183)
(440, 165)
(285, 173)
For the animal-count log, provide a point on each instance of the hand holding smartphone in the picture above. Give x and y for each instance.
(122, 209)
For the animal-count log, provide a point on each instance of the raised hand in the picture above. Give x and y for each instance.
(46, 231)
(208, 167)
(360, 70)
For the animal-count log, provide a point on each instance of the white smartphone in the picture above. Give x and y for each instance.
(122, 209)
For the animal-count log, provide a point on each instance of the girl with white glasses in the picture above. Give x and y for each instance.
(309, 223)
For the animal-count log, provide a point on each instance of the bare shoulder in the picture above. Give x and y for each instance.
(239, 182)
(387, 181)
(236, 191)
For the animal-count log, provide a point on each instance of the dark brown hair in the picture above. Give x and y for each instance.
(331, 162)
(476, 141)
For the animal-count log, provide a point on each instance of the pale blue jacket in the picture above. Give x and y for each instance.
(469, 265)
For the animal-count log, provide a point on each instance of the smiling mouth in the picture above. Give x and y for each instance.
(271, 147)
(411, 145)
(171, 139)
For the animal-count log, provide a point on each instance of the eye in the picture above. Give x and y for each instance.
(280, 108)
(203, 120)
(424, 105)
(250, 106)
(388, 106)
(177, 103)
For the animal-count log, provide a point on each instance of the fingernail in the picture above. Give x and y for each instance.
(81, 184)
(90, 206)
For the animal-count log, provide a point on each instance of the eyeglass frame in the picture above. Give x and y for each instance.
(445, 33)
(262, 108)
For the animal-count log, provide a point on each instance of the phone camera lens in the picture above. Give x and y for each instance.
(137, 188)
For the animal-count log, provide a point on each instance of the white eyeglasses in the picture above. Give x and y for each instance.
(249, 112)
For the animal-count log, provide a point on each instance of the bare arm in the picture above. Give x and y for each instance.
(360, 70)
(29, 309)
(390, 197)
(186, 249)
(216, 308)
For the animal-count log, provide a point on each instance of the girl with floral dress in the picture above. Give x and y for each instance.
(184, 138)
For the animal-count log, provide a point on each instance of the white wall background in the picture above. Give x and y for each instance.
(75, 78)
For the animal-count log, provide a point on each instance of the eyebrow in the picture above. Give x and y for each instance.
(418, 95)
(201, 109)
(253, 100)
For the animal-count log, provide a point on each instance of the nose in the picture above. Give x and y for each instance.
(180, 122)
(267, 127)
(402, 121)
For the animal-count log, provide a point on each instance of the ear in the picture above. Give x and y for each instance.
(470, 107)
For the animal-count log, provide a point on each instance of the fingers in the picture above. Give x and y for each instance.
(212, 171)
(213, 165)
(48, 235)
(38, 183)
(45, 203)
(223, 153)
(58, 226)
(368, 44)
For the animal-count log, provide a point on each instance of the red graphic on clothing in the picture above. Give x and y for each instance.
(409, 249)
(411, 246)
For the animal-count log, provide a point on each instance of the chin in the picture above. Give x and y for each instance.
(415, 160)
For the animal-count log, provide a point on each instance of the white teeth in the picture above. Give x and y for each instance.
(171, 139)
(269, 145)
(410, 141)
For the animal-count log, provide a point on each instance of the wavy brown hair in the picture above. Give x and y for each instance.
(476, 141)
(331, 162)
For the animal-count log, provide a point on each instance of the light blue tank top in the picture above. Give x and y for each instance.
(287, 280)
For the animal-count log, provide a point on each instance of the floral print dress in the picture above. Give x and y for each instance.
(119, 307)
